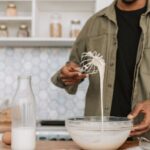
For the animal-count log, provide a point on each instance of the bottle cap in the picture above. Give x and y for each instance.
(3, 27)
(11, 5)
(23, 26)
(75, 21)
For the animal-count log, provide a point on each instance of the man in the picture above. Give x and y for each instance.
(120, 33)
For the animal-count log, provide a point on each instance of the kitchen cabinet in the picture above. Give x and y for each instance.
(67, 145)
(24, 15)
(37, 15)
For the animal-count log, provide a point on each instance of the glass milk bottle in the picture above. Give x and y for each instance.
(23, 116)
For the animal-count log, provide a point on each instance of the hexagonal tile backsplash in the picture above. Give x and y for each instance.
(41, 63)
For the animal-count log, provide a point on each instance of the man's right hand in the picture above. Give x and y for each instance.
(70, 74)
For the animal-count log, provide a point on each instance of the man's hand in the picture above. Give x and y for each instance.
(70, 74)
(144, 126)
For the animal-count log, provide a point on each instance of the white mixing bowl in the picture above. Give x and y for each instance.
(91, 134)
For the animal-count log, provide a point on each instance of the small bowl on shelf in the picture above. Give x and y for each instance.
(91, 133)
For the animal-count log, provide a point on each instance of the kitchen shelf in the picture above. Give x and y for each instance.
(67, 0)
(67, 6)
(16, 1)
(24, 8)
(7, 19)
(36, 42)
(67, 9)
(37, 15)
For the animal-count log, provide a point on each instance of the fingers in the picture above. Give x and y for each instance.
(137, 109)
(144, 126)
(70, 70)
(69, 81)
(72, 64)
(140, 129)
(70, 74)
(67, 73)
(75, 77)
(137, 133)
(74, 80)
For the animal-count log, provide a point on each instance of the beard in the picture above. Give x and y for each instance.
(129, 1)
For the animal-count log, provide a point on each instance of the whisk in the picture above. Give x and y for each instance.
(90, 62)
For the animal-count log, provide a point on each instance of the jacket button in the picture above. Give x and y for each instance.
(106, 108)
(110, 85)
(111, 64)
(115, 42)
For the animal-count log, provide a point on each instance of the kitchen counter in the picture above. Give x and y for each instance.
(64, 145)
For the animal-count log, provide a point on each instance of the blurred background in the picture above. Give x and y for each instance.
(36, 37)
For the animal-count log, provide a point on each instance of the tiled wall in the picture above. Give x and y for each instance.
(41, 63)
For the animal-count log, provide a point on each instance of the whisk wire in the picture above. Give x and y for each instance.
(90, 61)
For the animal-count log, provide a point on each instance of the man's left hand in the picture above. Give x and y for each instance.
(144, 126)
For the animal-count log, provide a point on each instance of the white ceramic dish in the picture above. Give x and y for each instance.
(90, 134)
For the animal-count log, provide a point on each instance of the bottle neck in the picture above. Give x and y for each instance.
(23, 104)
(24, 83)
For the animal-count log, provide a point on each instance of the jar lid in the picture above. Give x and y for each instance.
(23, 26)
(11, 5)
(3, 27)
(75, 21)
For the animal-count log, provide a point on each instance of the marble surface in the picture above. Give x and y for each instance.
(41, 63)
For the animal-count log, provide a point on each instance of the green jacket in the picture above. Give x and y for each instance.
(100, 34)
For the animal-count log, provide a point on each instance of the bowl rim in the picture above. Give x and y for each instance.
(86, 118)
(76, 122)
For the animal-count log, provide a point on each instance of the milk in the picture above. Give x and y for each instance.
(23, 138)
(101, 69)
(99, 62)
(93, 140)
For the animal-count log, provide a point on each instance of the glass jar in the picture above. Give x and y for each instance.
(23, 116)
(55, 26)
(11, 10)
(23, 31)
(75, 28)
(3, 31)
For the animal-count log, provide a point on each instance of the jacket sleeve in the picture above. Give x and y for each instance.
(78, 48)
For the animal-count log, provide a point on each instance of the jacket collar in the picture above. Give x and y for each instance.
(111, 13)
(148, 7)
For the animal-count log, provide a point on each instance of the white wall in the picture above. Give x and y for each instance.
(102, 4)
